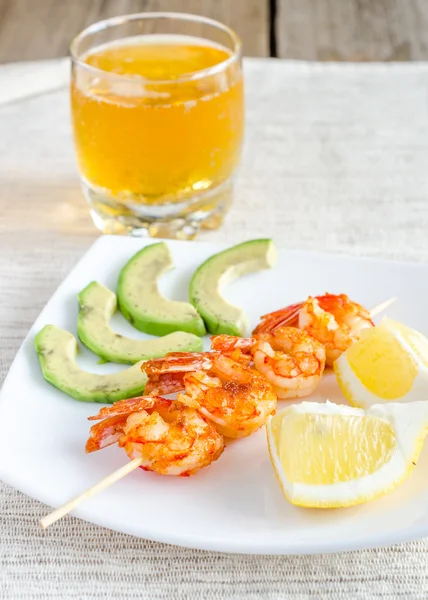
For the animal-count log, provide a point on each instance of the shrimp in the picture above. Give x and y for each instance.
(170, 438)
(334, 320)
(291, 360)
(237, 399)
(165, 374)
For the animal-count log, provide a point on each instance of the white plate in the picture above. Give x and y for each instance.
(235, 505)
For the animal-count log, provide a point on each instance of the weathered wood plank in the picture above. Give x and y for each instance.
(36, 29)
(352, 30)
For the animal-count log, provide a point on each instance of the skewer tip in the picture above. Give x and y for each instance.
(383, 306)
(60, 512)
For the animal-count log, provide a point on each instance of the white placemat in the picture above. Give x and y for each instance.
(335, 159)
(23, 80)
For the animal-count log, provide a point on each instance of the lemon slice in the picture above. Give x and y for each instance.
(388, 363)
(327, 455)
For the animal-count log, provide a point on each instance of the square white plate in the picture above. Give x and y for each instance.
(235, 505)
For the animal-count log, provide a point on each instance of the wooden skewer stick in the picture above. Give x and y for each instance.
(98, 487)
(381, 307)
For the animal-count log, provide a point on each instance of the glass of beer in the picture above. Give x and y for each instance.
(158, 117)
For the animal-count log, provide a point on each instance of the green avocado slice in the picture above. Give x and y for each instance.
(97, 306)
(57, 350)
(219, 270)
(141, 302)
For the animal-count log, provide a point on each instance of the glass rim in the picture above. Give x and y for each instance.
(119, 20)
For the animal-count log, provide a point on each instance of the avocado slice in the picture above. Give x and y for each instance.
(219, 270)
(97, 306)
(141, 302)
(57, 350)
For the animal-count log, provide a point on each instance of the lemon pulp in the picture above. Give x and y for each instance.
(382, 365)
(320, 449)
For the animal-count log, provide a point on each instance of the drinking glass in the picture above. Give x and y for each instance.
(158, 118)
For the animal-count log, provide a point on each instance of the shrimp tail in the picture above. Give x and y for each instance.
(113, 419)
(105, 433)
(177, 362)
(235, 348)
(285, 316)
(227, 343)
(165, 375)
(125, 407)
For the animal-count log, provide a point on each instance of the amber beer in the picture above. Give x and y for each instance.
(158, 124)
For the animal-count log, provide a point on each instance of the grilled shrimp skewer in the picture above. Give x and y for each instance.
(237, 399)
(170, 438)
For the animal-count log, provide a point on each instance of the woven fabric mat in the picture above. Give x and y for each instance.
(335, 159)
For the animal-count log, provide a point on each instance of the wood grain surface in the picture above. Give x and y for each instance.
(37, 29)
(352, 30)
(326, 30)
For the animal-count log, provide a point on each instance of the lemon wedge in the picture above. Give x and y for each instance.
(328, 455)
(388, 363)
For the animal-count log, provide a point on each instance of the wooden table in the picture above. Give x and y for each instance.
(337, 30)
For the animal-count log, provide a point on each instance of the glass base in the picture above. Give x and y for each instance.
(165, 220)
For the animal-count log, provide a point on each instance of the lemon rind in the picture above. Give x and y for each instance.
(410, 423)
(359, 396)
